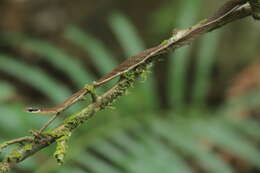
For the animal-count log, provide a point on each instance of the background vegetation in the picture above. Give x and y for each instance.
(197, 111)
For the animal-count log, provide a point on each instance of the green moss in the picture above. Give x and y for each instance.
(15, 156)
(62, 147)
(28, 147)
(202, 21)
(90, 88)
(164, 42)
(4, 167)
(129, 75)
(145, 72)
(77, 119)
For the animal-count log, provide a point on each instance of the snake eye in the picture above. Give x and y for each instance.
(32, 110)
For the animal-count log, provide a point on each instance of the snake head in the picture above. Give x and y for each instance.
(32, 110)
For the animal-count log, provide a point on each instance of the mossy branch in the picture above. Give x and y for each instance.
(61, 134)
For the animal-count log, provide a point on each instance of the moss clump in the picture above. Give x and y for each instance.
(28, 147)
(90, 88)
(15, 156)
(62, 146)
(4, 167)
(164, 42)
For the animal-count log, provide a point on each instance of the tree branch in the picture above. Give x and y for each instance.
(61, 134)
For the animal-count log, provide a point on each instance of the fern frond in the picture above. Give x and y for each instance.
(57, 57)
(104, 60)
(35, 77)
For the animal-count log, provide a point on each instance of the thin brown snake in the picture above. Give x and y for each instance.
(134, 61)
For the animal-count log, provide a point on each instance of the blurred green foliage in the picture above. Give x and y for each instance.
(135, 137)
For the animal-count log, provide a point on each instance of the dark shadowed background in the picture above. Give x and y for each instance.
(197, 111)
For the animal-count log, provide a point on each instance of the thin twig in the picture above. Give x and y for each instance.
(53, 118)
(16, 141)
